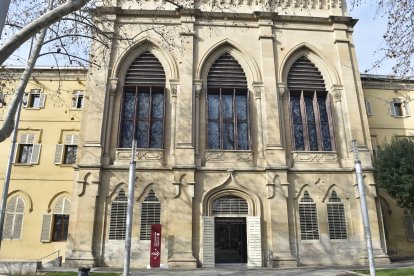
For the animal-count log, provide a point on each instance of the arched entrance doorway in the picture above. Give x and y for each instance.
(231, 231)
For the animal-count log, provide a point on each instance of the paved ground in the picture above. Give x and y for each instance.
(244, 271)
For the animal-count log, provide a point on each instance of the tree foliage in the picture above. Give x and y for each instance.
(394, 170)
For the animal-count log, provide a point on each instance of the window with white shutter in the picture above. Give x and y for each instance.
(368, 107)
(27, 151)
(336, 218)
(150, 214)
(34, 99)
(77, 99)
(66, 153)
(55, 226)
(118, 216)
(399, 108)
(308, 217)
(14, 219)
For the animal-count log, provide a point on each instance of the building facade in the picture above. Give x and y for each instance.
(243, 116)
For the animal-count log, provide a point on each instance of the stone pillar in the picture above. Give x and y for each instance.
(198, 86)
(184, 153)
(82, 219)
(174, 92)
(258, 89)
(181, 213)
(272, 110)
(278, 226)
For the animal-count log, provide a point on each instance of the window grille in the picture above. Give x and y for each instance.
(14, 218)
(336, 218)
(150, 214)
(143, 103)
(117, 224)
(230, 204)
(227, 104)
(310, 108)
(308, 217)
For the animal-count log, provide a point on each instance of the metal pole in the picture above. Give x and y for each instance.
(8, 171)
(131, 186)
(364, 208)
(4, 4)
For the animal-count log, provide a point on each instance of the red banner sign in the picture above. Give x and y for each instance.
(155, 255)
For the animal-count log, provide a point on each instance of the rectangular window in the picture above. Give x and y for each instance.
(311, 121)
(143, 117)
(368, 107)
(60, 227)
(66, 153)
(228, 122)
(399, 108)
(27, 151)
(77, 99)
(34, 99)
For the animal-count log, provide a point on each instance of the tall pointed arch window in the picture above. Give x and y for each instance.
(150, 214)
(230, 205)
(336, 218)
(310, 108)
(143, 103)
(14, 219)
(118, 216)
(227, 105)
(308, 217)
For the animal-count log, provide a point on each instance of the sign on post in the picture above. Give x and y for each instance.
(155, 255)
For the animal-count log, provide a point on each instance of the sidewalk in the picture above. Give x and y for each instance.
(244, 271)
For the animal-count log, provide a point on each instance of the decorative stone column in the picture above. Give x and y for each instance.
(258, 90)
(198, 86)
(174, 92)
(112, 90)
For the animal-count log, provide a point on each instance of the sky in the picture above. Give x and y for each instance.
(368, 40)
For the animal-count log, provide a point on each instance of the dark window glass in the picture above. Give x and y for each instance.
(79, 101)
(25, 153)
(60, 227)
(398, 109)
(70, 154)
(143, 114)
(34, 100)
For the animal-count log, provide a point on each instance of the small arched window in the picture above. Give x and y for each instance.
(143, 104)
(14, 219)
(150, 214)
(227, 105)
(336, 218)
(310, 108)
(118, 216)
(61, 213)
(308, 217)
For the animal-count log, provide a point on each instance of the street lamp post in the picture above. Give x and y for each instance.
(364, 208)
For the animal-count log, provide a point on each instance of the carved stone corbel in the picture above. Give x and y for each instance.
(198, 87)
(113, 86)
(282, 87)
(174, 90)
(336, 91)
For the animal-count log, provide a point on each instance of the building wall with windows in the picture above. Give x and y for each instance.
(40, 193)
(243, 127)
(389, 106)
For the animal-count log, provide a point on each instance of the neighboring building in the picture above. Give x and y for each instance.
(244, 132)
(40, 194)
(389, 105)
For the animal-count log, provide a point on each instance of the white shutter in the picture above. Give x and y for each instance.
(46, 228)
(17, 227)
(42, 99)
(392, 109)
(35, 154)
(30, 139)
(66, 207)
(23, 138)
(59, 206)
(407, 109)
(254, 242)
(208, 242)
(58, 154)
(368, 107)
(71, 139)
(8, 226)
(16, 152)
(25, 99)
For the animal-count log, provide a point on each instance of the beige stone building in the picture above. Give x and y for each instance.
(243, 115)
